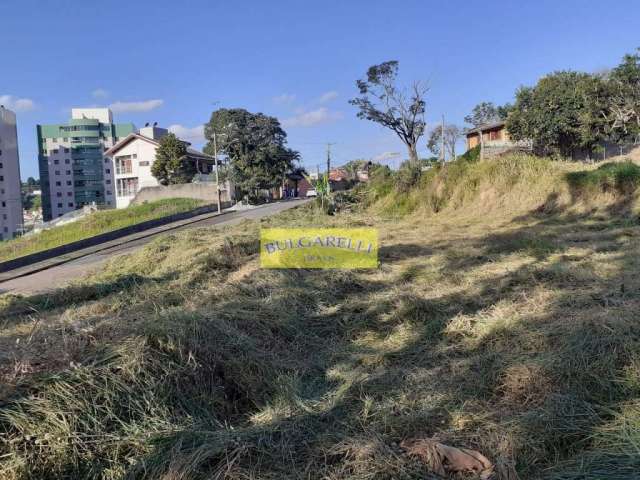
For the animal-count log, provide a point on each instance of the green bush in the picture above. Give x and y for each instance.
(623, 177)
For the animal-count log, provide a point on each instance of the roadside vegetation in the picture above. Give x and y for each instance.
(502, 318)
(94, 224)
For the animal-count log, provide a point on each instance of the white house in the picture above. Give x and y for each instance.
(132, 157)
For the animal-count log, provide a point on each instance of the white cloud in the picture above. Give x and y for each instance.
(99, 93)
(312, 118)
(327, 96)
(385, 156)
(17, 104)
(142, 106)
(195, 134)
(285, 99)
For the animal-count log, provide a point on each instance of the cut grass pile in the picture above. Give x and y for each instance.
(94, 224)
(514, 333)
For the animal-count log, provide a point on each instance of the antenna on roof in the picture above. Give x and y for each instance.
(146, 124)
(155, 124)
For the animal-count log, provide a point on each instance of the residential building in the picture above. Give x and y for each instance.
(133, 156)
(73, 169)
(495, 138)
(10, 199)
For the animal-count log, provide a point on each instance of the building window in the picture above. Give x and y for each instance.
(59, 205)
(126, 187)
(1, 165)
(69, 183)
(57, 172)
(69, 194)
(66, 150)
(108, 192)
(123, 164)
(56, 162)
(58, 184)
(67, 161)
(54, 151)
(144, 163)
(106, 170)
(4, 204)
(70, 204)
(4, 216)
(58, 194)
(68, 172)
(108, 182)
(1, 178)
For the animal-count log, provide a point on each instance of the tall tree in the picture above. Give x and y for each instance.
(483, 113)
(172, 166)
(551, 114)
(255, 145)
(452, 134)
(398, 109)
(624, 107)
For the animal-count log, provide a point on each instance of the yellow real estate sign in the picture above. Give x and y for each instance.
(339, 248)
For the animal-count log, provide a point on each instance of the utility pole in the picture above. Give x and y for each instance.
(329, 164)
(215, 154)
(442, 139)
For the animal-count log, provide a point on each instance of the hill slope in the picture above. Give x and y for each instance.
(503, 318)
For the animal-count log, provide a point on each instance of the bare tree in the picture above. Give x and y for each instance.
(400, 110)
(452, 134)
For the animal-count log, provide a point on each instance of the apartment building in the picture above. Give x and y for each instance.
(133, 157)
(10, 198)
(73, 169)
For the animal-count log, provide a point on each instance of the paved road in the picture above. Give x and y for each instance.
(61, 275)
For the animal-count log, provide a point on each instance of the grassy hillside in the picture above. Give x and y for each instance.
(503, 318)
(94, 224)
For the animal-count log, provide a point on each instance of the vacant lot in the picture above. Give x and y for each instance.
(94, 224)
(507, 322)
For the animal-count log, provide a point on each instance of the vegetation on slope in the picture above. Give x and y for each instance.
(513, 332)
(94, 224)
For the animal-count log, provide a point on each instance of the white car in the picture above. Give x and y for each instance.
(312, 193)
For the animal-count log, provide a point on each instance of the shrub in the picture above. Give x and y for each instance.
(623, 177)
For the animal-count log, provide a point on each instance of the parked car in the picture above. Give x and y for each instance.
(312, 193)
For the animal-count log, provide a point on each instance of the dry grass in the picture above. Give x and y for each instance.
(506, 327)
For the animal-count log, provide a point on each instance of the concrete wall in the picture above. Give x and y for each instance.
(10, 198)
(199, 191)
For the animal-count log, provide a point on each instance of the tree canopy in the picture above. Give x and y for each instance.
(256, 146)
(172, 166)
(486, 112)
(451, 135)
(572, 111)
(400, 110)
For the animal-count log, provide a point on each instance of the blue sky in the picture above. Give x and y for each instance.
(171, 62)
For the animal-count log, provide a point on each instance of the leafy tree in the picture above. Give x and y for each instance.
(400, 110)
(623, 113)
(172, 165)
(483, 113)
(551, 114)
(452, 134)
(255, 145)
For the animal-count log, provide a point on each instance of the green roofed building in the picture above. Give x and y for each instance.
(73, 169)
